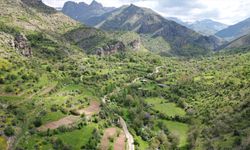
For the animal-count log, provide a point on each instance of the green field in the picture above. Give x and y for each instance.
(169, 109)
(74, 139)
(52, 116)
(77, 138)
(142, 144)
(178, 129)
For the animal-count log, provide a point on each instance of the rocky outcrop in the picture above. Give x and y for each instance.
(136, 44)
(22, 46)
(39, 6)
(110, 49)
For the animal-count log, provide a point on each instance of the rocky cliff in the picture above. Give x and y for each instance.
(82, 11)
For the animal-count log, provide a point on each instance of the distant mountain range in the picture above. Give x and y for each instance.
(235, 31)
(146, 21)
(205, 27)
(183, 37)
(82, 11)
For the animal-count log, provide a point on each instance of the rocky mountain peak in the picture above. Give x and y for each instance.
(82, 11)
(96, 5)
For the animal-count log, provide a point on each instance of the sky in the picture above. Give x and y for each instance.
(225, 11)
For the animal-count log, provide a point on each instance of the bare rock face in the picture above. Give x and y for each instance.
(21, 44)
(136, 44)
(110, 49)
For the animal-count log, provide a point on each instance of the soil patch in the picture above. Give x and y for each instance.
(92, 109)
(66, 121)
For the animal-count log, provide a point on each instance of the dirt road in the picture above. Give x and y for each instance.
(130, 139)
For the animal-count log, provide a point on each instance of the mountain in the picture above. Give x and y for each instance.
(183, 41)
(179, 21)
(82, 11)
(207, 26)
(241, 42)
(235, 31)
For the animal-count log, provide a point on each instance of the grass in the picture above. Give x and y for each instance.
(170, 109)
(77, 138)
(178, 129)
(10, 99)
(4, 64)
(52, 116)
(33, 141)
(142, 144)
(3, 143)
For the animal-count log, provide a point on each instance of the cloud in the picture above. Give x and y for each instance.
(226, 11)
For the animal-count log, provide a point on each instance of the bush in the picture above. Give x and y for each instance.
(9, 89)
(9, 131)
(59, 145)
(48, 68)
(37, 122)
(1, 80)
(11, 77)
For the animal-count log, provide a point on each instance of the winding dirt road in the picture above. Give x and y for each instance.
(130, 139)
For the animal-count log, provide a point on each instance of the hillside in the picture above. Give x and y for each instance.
(183, 41)
(241, 42)
(235, 31)
(82, 11)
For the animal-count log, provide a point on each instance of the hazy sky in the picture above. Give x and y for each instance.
(226, 11)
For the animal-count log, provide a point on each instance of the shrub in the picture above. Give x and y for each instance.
(37, 122)
(9, 89)
(11, 77)
(1, 80)
(9, 131)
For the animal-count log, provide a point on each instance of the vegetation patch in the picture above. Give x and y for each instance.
(162, 106)
(178, 129)
(3, 143)
(52, 116)
(77, 138)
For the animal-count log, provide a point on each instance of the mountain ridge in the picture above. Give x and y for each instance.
(146, 21)
(235, 31)
(207, 26)
(82, 11)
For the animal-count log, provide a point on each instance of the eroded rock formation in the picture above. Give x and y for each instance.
(110, 49)
(22, 46)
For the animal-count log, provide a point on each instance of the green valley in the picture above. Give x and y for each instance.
(67, 86)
